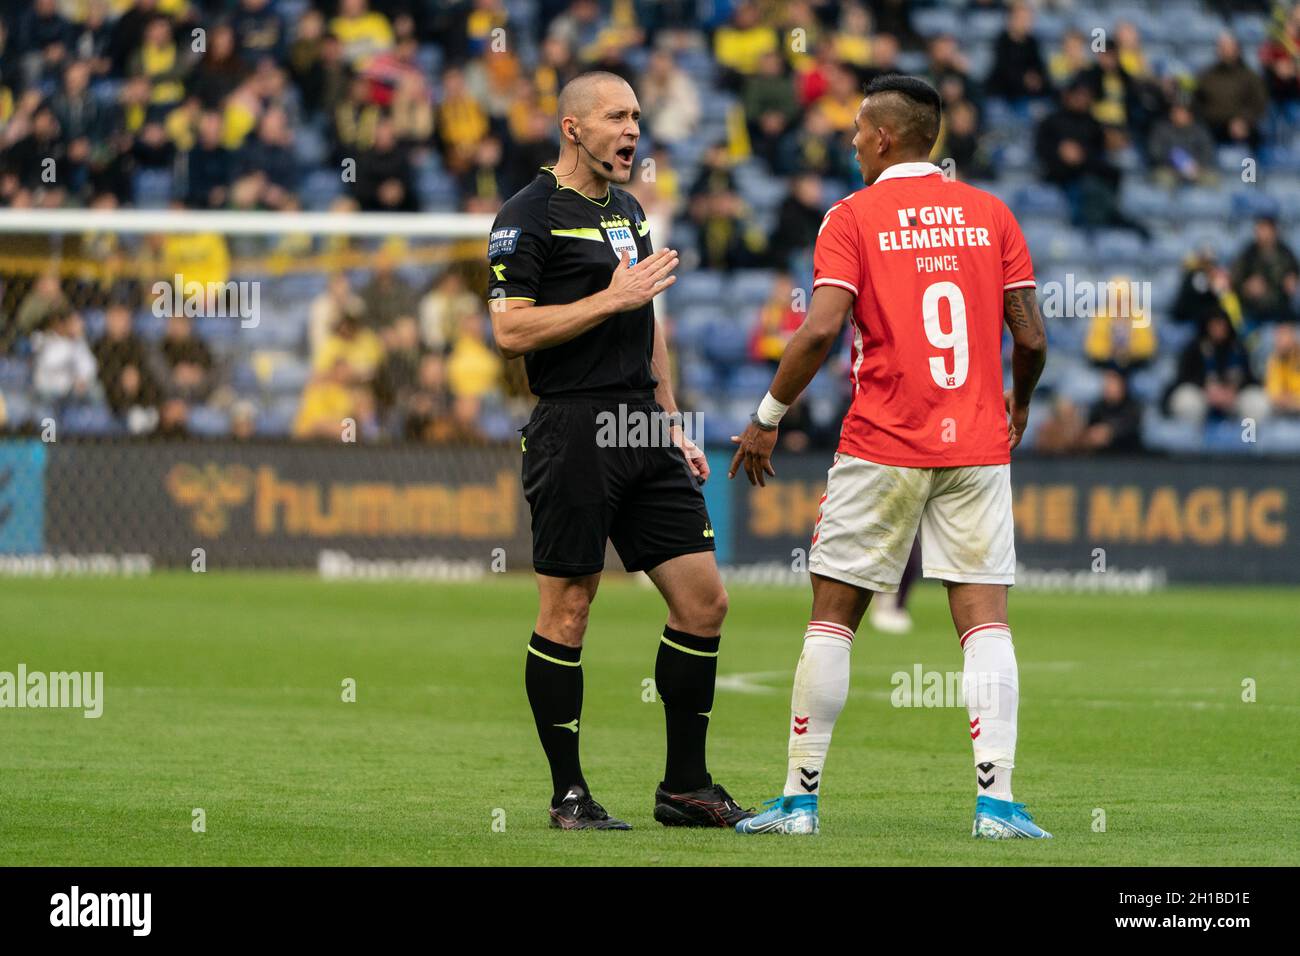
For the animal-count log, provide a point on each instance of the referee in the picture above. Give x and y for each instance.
(573, 276)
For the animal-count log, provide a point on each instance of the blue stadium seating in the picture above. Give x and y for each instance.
(207, 421)
(90, 420)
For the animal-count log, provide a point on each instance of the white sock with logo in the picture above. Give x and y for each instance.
(991, 686)
(821, 685)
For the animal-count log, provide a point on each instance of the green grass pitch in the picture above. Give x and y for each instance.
(223, 692)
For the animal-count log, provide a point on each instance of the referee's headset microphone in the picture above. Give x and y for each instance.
(609, 167)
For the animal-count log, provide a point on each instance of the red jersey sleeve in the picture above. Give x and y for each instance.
(837, 258)
(1017, 269)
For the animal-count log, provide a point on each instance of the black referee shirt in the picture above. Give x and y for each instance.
(553, 245)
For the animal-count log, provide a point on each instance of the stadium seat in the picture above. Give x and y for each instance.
(981, 25)
(152, 188)
(726, 342)
(698, 378)
(277, 420)
(721, 424)
(148, 326)
(214, 329)
(243, 378)
(90, 420)
(1148, 385)
(1226, 437)
(690, 326)
(697, 287)
(1167, 434)
(320, 188)
(936, 20)
(1041, 200)
(761, 191)
(15, 373)
(1204, 203)
(1175, 336)
(209, 422)
(1279, 436)
(750, 381)
(310, 147)
(1145, 201)
(17, 408)
(750, 287)
(289, 375)
(1119, 248)
(1080, 383)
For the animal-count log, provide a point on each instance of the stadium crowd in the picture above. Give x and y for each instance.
(1153, 147)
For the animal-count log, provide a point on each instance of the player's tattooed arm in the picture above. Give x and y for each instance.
(1020, 309)
(1028, 355)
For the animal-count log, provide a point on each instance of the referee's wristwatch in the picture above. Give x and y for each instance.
(753, 417)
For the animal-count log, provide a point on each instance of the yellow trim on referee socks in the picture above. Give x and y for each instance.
(553, 660)
(688, 650)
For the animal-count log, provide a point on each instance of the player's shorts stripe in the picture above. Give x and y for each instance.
(1023, 284)
(839, 282)
(983, 627)
(688, 650)
(553, 660)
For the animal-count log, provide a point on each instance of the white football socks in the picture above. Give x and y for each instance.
(821, 685)
(991, 686)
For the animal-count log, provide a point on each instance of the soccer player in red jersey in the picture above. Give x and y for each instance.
(929, 269)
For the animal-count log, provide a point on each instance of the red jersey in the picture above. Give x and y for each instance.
(927, 260)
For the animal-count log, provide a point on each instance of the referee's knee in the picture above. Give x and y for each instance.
(704, 613)
(564, 620)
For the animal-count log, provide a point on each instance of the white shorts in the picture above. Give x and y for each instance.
(870, 514)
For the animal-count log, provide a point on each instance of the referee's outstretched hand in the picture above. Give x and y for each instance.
(634, 287)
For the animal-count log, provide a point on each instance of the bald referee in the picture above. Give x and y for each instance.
(573, 276)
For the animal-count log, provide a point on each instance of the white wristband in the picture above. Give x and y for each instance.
(770, 411)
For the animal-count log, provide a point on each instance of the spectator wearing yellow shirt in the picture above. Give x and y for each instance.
(840, 102)
(1124, 339)
(362, 31)
(200, 257)
(1131, 55)
(1282, 375)
(853, 43)
(1071, 59)
(358, 348)
(461, 121)
(161, 63)
(739, 46)
(473, 369)
(327, 400)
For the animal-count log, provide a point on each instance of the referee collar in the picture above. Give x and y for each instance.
(907, 170)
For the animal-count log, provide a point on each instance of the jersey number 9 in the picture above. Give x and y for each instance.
(954, 340)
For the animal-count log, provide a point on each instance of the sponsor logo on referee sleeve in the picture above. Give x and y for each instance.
(503, 241)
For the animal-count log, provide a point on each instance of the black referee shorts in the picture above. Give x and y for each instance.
(583, 489)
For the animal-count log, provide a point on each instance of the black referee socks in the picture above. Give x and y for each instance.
(553, 679)
(685, 671)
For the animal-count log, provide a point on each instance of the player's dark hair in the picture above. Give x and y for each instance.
(920, 107)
